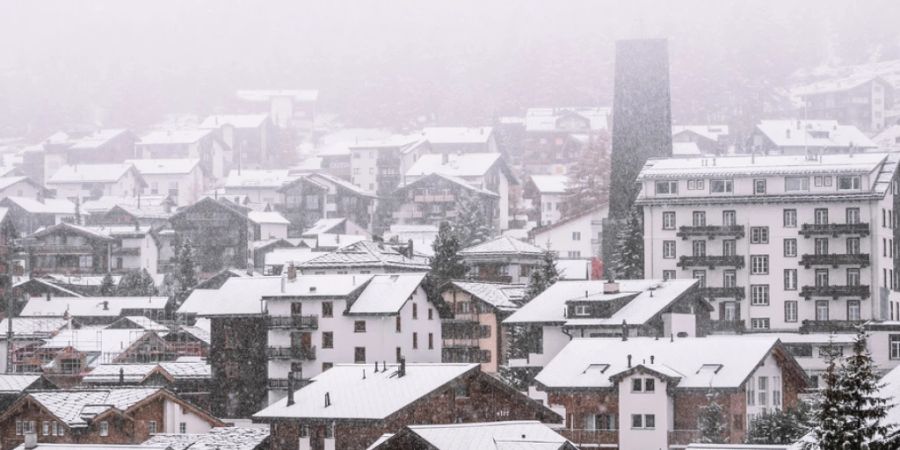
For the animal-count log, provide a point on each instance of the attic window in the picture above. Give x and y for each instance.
(599, 368)
(312, 289)
(710, 368)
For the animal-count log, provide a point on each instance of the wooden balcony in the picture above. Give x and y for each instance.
(835, 292)
(727, 326)
(737, 292)
(829, 326)
(835, 260)
(61, 249)
(711, 231)
(591, 438)
(834, 229)
(304, 353)
(294, 322)
(711, 261)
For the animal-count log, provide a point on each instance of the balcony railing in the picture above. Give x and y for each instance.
(834, 229)
(591, 438)
(711, 261)
(727, 326)
(835, 292)
(60, 249)
(722, 292)
(306, 353)
(282, 383)
(829, 326)
(711, 231)
(835, 260)
(294, 322)
(683, 437)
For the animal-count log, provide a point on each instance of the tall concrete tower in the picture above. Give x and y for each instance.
(642, 124)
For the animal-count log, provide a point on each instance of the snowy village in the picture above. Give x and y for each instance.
(428, 226)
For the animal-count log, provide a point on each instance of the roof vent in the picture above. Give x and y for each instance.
(327, 399)
(312, 289)
(610, 287)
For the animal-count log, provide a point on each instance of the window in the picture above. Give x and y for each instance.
(790, 247)
(637, 421)
(415, 343)
(853, 312)
(759, 324)
(729, 218)
(668, 249)
(790, 279)
(853, 246)
(328, 339)
(695, 185)
(605, 422)
(699, 218)
(668, 220)
(415, 311)
(700, 275)
(848, 182)
(822, 310)
(430, 341)
(759, 235)
(668, 275)
(759, 294)
(790, 311)
(327, 309)
(430, 314)
(643, 421)
(151, 427)
(790, 218)
(821, 246)
(666, 187)
(763, 384)
(894, 344)
(776, 392)
(649, 421)
(729, 247)
(721, 186)
(649, 385)
(853, 277)
(359, 355)
(852, 215)
(759, 187)
(359, 326)
(759, 264)
(581, 310)
(821, 216)
(729, 278)
(104, 428)
(637, 385)
(576, 235)
(574, 254)
(19, 428)
(699, 248)
(45, 428)
(182, 427)
(821, 277)
(793, 184)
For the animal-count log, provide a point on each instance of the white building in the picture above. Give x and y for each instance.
(260, 186)
(268, 225)
(78, 183)
(461, 139)
(183, 179)
(544, 196)
(196, 143)
(15, 186)
(799, 137)
(777, 240)
(576, 237)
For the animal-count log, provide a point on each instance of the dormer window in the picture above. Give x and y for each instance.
(848, 182)
(710, 368)
(581, 310)
(721, 186)
(643, 385)
(666, 187)
(796, 184)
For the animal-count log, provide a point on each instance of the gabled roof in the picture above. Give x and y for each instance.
(890, 386)
(165, 166)
(48, 206)
(502, 246)
(324, 225)
(711, 132)
(386, 294)
(16, 383)
(32, 326)
(750, 166)
(504, 297)
(457, 135)
(89, 306)
(375, 397)
(282, 256)
(181, 136)
(703, 363)
(324, 179)
(547, 119)
(98, 139)
(270, 218)
(461, 165)
(137, 373)
(366, 253)
(512, 435)
(92, 173)
(239, 296)
(803, 133)
(550, 184)
(221, 204)
(138, 322)
(258, 178)
(220, 438)
(682, 149)
(6, 182)
(452, 179)
(597, 210)
(235, 120)
(87, 232)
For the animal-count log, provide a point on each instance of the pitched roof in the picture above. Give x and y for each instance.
(711, 132)
(32, 326)
(650, 297)
(502, 245)
(377, 396)
(239, 296)
(96, 339)
(450, 178)
(282, 256)
(519, 435)
(235, 120)
(890, 386)
(91, 173)
(90, 232)
(462, 165)
(181, 136)
(550, 184)
(749, 166)
(683, 149)
(546, 119)
(76, 407)
(6, 182)
(48, 206)
(259, 178)
(324, 225)
(219, 438)
(165, 166)
(457, 135)
(367, 253)
(141, 322)
(387, 293)
(89, 306)
(267, 217)
(324, 178)
(707, 362)
(137, 373)
(16, 383)
(501, 296)
(97, 139)
(813, 133)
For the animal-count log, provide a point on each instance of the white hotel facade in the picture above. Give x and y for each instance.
(781, 242)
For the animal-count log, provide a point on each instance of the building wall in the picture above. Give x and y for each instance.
(561, 238)
(237, 356)
(484, 316)
(656, 403)
(127, 186)
(22, 189)
(190, 186)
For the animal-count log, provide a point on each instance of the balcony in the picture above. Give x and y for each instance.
(61, 249)
(305, 353)
(711, 231)
(834, 229)
(591, 438)
(835, 291)
(281, 384)
(294, 322)
(737, 293)
(711, 261)
(835, 260)
(683, 437)
(829, 326)
(727, 327)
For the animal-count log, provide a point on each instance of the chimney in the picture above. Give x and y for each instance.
(376, 366)
(409, 248)
(401, 372)
(610, 287)
(327, 399)
(283, 277)
(30, 440)
(624, 330)
(106, 305)
(651, 359)
(292, 273)
(48, 296)
(384, 366)
(364, 372)
(629, 361)
(290, 389)
(121, 375)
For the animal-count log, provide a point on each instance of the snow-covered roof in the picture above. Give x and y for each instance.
(48, 206)
(393, 141)
(686, 359)
(501, 296)
(749, 166)
(650, 297)
(387, 293)
(141, 322)
(502, 246)
(450, 178)
(89, 306)
(547, 119)
(149, 205)
(235, 120)
(890, 387)
(137, 373)
(457, 135)
(831, 85)
(366, 253)
(6, 182)
(685, 149)
(96, 339)
(267, 217)
(260, 178)
(376, 396)
(238, 296)
(458, 165)
(324, 178)
(573, 269)
(324, 225)
(335, 241)
(265, 95)
(182, 136)
(888, 138)
(80, 280)
(165, 166)
(90, 173)
(550, 184)
(97, 139)
(813, 133)
(711, 132)
(512, 435)
(91, 232)
(220, 438)
(32, 326)
(320, 286)
(49, 446)
(283, 256)
(15, 383)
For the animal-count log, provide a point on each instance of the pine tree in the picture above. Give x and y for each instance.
(446, 264)
(185, 274)
(472, 225)
(861, 407)
(780, 427)
(588, 185)
(136, 283)
(712, 420)
(830, 424)
(543, 277)
(107, 286)
(628, 260)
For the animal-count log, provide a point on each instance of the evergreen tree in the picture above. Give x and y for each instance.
(588, 185)
(472, 226)
(542, 277)
(107, 286)
(185, 272)
(446, 264)
(628, 259)
(712, 421)
(780, 427)
(136, 283)
(830, 426)
(861, 406)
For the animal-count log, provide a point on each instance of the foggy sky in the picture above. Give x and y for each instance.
(126, 63)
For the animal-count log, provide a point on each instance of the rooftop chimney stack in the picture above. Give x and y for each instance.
(401, 372)
(121, 375)
(651, 359)
(629, 360)
(624, 330)
(290, 388)
(327, 399)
